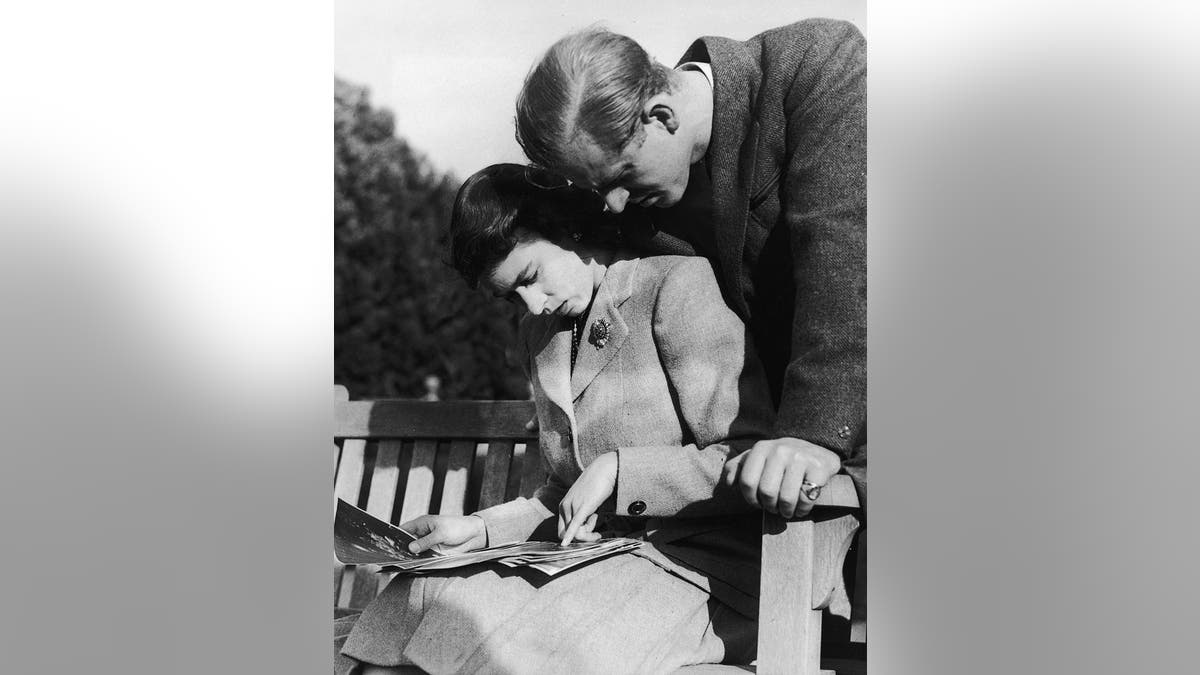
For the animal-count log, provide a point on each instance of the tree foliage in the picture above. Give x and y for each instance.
(401, 312)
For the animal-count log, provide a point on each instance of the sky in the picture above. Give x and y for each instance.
(450, 71)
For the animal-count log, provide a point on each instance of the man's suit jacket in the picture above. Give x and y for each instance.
(787, 162)
(674, 390)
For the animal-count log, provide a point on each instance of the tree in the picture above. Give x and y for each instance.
(401, 312)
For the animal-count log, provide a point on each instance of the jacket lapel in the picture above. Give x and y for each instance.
(551, 347)
(592, 357)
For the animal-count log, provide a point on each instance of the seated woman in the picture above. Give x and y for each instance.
(644, 384)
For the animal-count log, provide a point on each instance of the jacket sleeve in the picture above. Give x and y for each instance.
(823, 202)
(518, 519)
(721, 394)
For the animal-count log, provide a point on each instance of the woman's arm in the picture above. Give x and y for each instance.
(722, 397)
(517, 520)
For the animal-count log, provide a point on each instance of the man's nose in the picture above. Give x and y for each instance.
(615, 199)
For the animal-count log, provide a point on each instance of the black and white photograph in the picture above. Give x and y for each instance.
(600, 276)
(602, 315)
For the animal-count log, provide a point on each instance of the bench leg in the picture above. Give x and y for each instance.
(801, 570)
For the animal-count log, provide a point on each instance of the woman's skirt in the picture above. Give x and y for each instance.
(622, 614)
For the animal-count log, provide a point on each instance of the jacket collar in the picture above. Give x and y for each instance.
(603, 321)
(550, 341)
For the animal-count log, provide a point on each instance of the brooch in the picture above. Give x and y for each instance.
(598, 337)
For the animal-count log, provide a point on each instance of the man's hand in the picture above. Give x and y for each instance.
(772, 473)
(447, 534)
(577, 510)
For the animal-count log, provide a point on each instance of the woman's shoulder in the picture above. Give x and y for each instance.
(669, 280)
(661, 267)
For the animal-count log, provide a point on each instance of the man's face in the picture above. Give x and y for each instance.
(650, 171)
(543, 277)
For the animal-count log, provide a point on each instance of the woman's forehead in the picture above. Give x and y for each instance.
(509, 269)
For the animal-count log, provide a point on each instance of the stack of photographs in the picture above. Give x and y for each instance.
(360, 538)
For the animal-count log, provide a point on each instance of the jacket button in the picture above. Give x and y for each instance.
(844, 433)
(637, 508)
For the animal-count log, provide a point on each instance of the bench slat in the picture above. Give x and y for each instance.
(384, 480)
(347, 485)
(350, 471)
(338, 567)
(533, 473)
(458, 469)
(495, 473)
(512, 487)
(395, 418)
(418, 490)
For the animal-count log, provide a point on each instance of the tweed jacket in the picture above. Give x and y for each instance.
(674, 390)
(787, 162)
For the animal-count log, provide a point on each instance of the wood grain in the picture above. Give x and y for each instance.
(393, 418)
(458, 470)
(495, 473)
(418, 492)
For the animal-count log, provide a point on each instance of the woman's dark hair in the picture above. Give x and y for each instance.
(497, 201)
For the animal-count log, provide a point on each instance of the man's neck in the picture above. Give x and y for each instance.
(695, 97)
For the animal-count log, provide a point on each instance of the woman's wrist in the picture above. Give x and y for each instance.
(480, 539)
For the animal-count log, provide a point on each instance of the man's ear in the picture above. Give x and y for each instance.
(658, 109)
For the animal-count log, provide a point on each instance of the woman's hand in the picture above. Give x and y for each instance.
(577, 510)
(777, 474)
(447, 534)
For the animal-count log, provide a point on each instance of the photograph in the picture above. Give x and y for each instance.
(601, 276)
(607, 317)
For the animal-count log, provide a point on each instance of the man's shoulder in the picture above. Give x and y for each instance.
(811, 30)
(776, 56)
(806, 31)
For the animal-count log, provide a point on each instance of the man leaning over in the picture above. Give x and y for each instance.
(753, 154)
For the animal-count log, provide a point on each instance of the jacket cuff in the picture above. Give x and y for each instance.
(513, 521)
(660, 481)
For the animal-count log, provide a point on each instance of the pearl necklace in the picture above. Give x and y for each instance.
(576, 334)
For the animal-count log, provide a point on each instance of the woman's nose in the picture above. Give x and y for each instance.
(534, 302)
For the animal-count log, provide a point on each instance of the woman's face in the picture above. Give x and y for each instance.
(543, 276)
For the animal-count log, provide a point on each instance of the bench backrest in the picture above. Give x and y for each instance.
(400, 459)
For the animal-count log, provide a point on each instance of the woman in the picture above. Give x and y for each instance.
(644, 385)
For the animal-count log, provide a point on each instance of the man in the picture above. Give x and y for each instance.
(753, 154)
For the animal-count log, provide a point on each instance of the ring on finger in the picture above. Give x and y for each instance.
(811, 490)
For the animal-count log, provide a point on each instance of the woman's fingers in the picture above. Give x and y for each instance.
(428, 541)
(581, 528)
(587, 530)
(573, 524)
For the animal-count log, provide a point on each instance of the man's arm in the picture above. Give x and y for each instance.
(824, 208)
(822, 411)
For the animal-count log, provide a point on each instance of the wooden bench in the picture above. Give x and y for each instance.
(399, 459)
